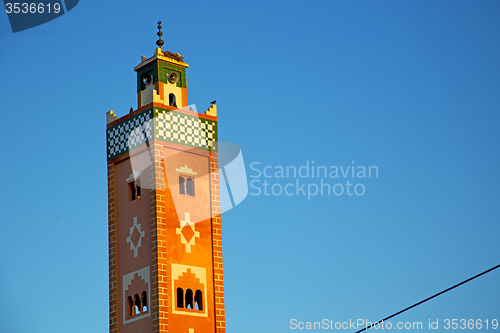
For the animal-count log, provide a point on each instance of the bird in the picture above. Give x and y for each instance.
(213, 102)
(131, 110)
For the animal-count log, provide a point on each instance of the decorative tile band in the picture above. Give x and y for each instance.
(168, 126)
(134, 128)
(183, 129)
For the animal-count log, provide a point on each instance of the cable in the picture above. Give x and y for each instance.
(429, 298)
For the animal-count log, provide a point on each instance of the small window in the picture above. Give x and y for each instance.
(198, 304)
(180, 298)
(129, 306)
(146, 79)
(190, 187)
(171, 100)
(134, 190)
(181, 185)
(186, 185)
(144, 301)
(137, 304)
(189, 299)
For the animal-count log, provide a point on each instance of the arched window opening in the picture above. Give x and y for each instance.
(146, 79)
(144, 301)
(129, 306)
(198, 304)
(180, 298)
(181, 185)
(137, 304)
(190, 187)
(189, 299)
(171, 100)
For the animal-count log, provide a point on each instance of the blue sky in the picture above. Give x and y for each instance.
(412, 87)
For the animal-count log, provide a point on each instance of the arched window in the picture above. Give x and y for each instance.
(180, 298)
(129, 306)
(198, 303)
(144, 301)
(190, 187)
(189, 299)
(137, 304)
(171, 100)
(181, 185)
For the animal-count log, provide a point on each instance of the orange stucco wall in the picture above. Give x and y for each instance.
(170, 261)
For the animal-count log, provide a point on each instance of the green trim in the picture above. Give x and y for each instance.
(160, 71)
(165, 69)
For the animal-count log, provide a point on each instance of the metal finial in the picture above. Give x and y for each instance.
(159, 42)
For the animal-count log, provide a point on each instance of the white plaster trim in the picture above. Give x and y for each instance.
(127, 280)
(133, 175)
(176, 271)
(178, 231)
(186, 169)
(133, 247)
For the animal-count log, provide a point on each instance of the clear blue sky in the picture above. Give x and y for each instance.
(412, 87)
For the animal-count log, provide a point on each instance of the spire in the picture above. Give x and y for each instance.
(159, 42)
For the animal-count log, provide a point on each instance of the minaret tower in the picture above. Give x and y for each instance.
(165, 250)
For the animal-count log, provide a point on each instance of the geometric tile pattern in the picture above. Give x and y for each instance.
(187, 130)
(118, 135)
(167, 125)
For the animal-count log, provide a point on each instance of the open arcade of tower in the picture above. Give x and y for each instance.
(165, 250)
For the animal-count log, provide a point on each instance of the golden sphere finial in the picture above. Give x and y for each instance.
(159, 42)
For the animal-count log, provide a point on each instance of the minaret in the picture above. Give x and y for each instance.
(165, 245)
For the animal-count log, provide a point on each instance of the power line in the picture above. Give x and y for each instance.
(429, 298)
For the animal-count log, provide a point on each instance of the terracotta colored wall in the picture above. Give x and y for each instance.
(131, 260)
(172, 251)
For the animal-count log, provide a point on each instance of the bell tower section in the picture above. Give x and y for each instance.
(165, 243)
